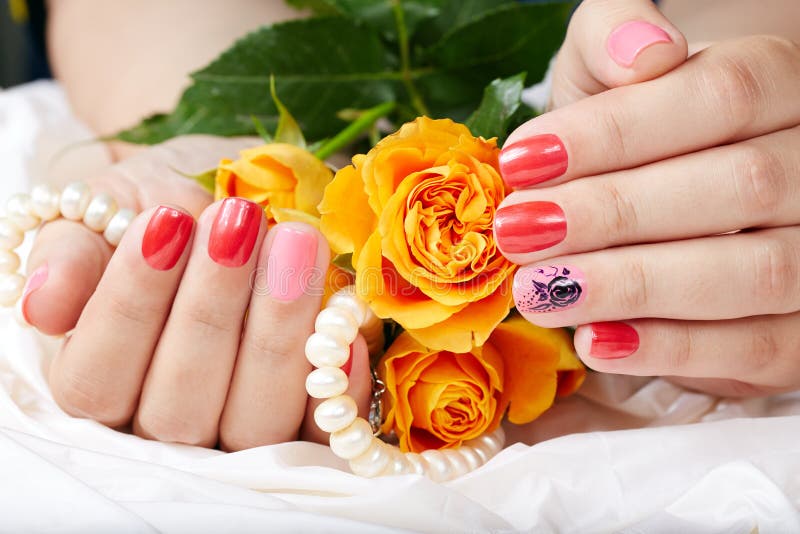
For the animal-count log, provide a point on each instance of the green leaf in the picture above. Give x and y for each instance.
(344, 262)
(454, 14)
(501, 100)
(207, 180)
(380, 13)
(260, 130)
(320, 7)
(288, 130)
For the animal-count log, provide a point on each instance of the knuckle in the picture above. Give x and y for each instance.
(776, 275)
(680, 354)
(171, 427)
(613, 138)
(621, 216)
(760, 182)
(734, 89)
(633, 290)
(761, 352)
(213, 320)
(81, 395)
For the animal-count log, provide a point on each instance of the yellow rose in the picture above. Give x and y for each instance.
(417, 213)
(439, 399)
(286, 179)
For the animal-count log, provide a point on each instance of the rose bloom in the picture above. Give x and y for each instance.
(440, 399)
(416, 212)
(286, 180)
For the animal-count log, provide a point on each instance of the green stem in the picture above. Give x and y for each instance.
(405, 60)
(353, 130)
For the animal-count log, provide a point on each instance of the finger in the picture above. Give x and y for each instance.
(721, 277)
(611, 43)
(759, 351)
(188, 379)
(726, 93)
(719, 190)
(360, 389)
(99, 371)
(267, 398)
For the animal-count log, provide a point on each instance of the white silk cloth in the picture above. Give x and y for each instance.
(623, 455)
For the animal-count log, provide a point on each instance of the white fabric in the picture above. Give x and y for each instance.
(622, 455)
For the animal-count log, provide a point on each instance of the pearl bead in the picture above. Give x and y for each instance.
(352, 441)
(74, 200)
(9, 261)
(20, 212)
(457, 462)
(325, 350)
(347, 299)
(336, 413)
(11, 286)
(373, 461)
(99, 212)
(473, 459)
(338, 322)
(118, 225)
(439, 469)
(10, 235)
(45, 202)
(488, 445)
(417, 462)
(398, 464)
(326, 382)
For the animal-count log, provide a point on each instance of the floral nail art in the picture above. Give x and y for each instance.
(547, 289)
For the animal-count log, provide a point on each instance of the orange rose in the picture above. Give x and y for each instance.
(417, 213)
(439, 399)
(286, 179)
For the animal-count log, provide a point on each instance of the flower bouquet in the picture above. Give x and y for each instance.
(410, 219)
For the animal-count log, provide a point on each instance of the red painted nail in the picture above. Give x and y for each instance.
(166, 237)
(613, 340)
(529, 226)
(35, 281)
(234, 232)
(533, 160)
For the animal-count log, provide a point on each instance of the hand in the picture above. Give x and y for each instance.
(194, 332)
(672, 205)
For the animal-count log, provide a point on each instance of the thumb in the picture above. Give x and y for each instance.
(611, 43)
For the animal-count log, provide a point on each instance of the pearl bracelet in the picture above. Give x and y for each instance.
(352, 437)
(46, 203)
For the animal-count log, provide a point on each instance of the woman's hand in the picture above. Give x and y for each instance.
(671, 204)
(191, 330)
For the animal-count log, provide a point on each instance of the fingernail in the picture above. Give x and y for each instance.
(234, 232)
(529, 226)
(35, 281)
(629, 40)
(348, 365)
(548, 288)
(166, 237)
(611, 341)
(533, 160)
(290, 264)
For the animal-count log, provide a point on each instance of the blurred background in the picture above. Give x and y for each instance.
(22, 54)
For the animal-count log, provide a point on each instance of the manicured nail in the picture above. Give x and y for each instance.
(611, 341)
(234, 232)
(291, 261)
(629, 40)
(529, 226)
(35, 281)
(548, 288)
(533, 160)
(166, 237)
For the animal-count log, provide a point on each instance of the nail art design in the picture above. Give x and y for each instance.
(547, 289)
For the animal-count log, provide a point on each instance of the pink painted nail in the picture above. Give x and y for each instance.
(548, 288)
(291, 263)
(629, 40)
(35, 281)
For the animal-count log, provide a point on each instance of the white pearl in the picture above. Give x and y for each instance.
(118, 225)
(457, 462)
(99, 212)
(488, 445)
(9, 261)
(337, 322)
(336, 413)
(473, 459)
(20, 211)
(352, 441)
(418, 463)
(10, 235)
(439, 469)
(398, 464)
(347, 299)
(74, 200)
(45, 202)
(11, 286)
(325, 350)
(326, 382)
(373, 461)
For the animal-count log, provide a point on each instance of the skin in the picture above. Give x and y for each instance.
(255, 378)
